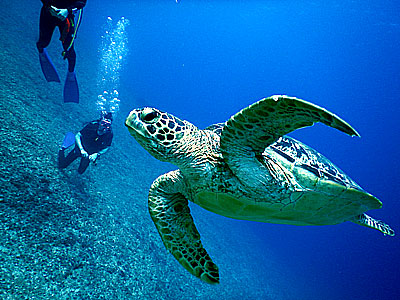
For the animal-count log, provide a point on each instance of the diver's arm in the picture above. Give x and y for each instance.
(93, 157)
(77, 4)
(101, 152)
(46, 2)
(78, 141)
(62, 13)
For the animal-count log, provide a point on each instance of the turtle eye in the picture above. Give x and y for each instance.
(149, 116)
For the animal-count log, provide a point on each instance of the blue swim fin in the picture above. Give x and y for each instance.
(68, 141)
(48, 68)
(71, 90)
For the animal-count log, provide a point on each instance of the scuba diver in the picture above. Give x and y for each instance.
(91, 142)
(61, 14)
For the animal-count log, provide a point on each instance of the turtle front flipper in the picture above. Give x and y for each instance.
(262, 123)
(247, 133)
(170, 213)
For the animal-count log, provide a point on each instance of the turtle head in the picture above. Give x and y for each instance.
(160, 133)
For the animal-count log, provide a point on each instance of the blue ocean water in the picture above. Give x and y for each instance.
(205, 60)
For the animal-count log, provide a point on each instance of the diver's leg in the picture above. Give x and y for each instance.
(47, 25)
(63, 161)
(83, 165)
(67, 32)
(71, 57)
(71, 88)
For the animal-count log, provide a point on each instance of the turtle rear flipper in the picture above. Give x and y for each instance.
(370, 222)
(170, 213)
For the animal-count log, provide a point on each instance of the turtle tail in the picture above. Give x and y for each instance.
(370, 222)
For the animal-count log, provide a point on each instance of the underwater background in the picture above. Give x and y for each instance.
(66, 236)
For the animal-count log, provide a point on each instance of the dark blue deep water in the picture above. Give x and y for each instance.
(204, 60)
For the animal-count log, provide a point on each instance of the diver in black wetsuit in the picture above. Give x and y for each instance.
(58, 13)
(91, 142)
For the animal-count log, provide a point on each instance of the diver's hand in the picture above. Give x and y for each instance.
(61, 13)
(93, 157)
(84, 153)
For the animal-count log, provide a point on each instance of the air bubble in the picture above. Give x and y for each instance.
(113, 51)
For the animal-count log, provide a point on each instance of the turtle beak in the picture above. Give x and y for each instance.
(135, 125)
(131, 120)
(138, 130)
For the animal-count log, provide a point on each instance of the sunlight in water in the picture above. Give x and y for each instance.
(113, 50)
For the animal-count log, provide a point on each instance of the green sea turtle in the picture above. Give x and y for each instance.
(246, 168)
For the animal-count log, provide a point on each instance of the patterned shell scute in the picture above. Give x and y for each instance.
(307, 158)
(216, 128)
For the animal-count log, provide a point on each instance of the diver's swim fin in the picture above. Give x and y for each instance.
(71, 90)
(68, 141)
(48, 68)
